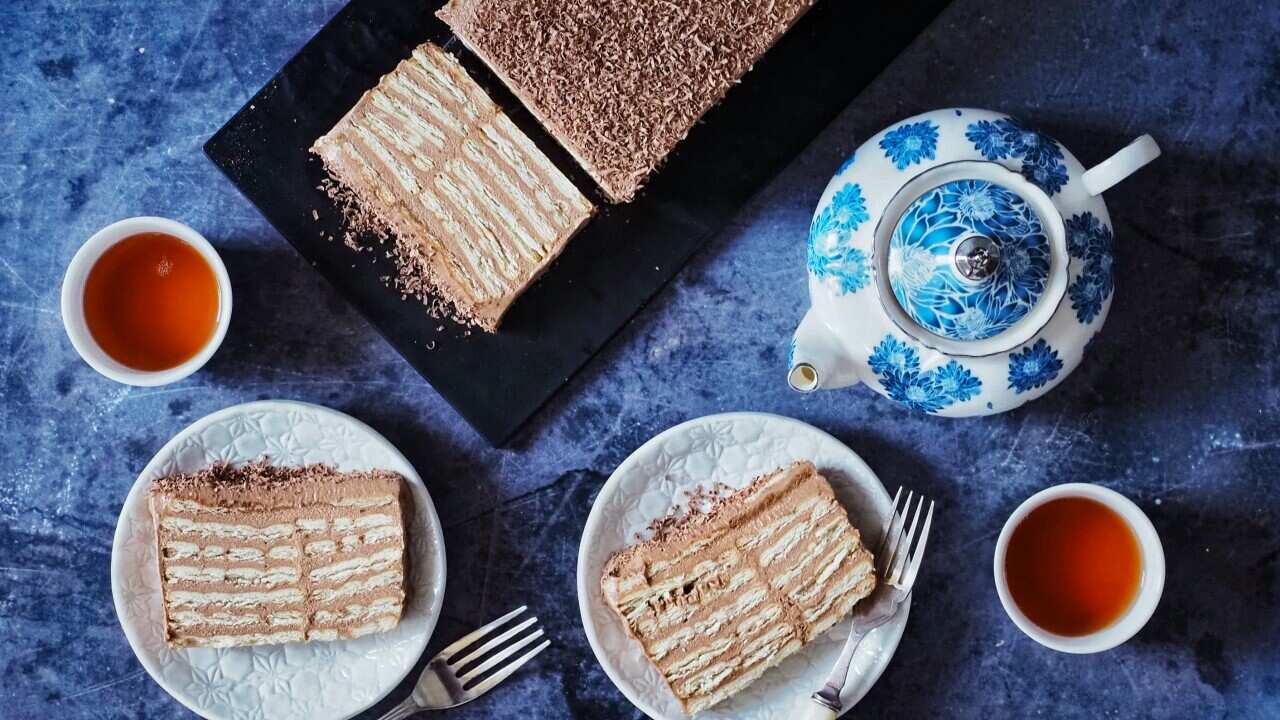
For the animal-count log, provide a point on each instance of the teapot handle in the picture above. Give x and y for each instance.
(1099, 178)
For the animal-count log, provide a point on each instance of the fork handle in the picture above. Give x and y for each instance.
(813, 710)
(403, 710)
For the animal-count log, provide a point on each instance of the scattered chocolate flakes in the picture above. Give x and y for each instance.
(700, 504)
(243, 483)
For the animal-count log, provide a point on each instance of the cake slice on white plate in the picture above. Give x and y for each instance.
(262, 554)
(734, 586)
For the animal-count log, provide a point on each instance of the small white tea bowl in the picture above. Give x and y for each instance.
(73, 285)
(1150, 587)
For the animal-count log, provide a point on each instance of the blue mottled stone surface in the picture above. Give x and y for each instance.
(103, 107)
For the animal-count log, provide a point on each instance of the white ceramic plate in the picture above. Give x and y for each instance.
(311, 681)
(731, 448)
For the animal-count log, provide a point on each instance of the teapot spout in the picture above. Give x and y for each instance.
(817, 359)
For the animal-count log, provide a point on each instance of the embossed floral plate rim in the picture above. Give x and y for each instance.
(363, 671)
(732, 448)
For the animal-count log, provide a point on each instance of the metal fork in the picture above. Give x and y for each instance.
(440, 686)
(896, 569)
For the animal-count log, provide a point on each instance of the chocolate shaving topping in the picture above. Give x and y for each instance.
(621, 82)
(268, 486)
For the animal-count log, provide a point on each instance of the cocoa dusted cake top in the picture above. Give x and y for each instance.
(621, 82)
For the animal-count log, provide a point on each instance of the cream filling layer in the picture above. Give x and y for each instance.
(227, 641)
(247, 599)
(346, 569)
(226, 530)
(271, 577)
(325, 595)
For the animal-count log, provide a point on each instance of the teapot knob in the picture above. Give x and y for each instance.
(977, 258)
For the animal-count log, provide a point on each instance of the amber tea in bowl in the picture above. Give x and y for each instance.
(1079, 568)
(1073, 566)
(151, 301)
(146, 301)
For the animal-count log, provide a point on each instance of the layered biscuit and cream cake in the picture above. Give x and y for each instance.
(477, 211)
(727, 591)
(261, 554)
(620, 82)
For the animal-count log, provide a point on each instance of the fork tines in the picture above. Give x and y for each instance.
(896, 562)
(511, 641)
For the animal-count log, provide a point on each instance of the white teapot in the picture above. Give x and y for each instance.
(959, 263)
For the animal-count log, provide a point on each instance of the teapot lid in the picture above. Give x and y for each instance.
(968, 259)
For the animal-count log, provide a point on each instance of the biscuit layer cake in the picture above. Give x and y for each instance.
(620, 82)
(262, 554)
(477, 211)
(727, 591)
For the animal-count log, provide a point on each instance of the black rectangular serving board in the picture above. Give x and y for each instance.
(618, 262)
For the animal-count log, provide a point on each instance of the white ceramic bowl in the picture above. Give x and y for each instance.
(1150, 587)
(73, 300)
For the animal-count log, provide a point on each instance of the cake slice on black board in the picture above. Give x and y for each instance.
(477, 211)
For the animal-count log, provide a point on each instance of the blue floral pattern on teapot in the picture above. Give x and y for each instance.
(831, 256)
(931, 289)
(1007, 138)
(1089, 241)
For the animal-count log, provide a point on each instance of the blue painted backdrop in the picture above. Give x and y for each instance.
(104, 105)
